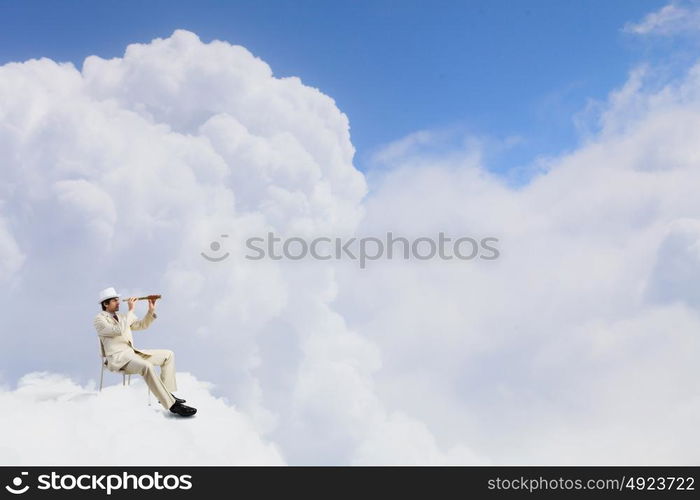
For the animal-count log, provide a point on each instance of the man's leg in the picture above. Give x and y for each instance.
(165, 358)
(148, 371)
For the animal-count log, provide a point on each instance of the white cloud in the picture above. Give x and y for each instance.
(671, 19)
(83, 200)
(48, 419)
(581, 337)
(11, 257)
(128, 169)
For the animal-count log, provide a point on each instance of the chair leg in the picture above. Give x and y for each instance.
(129, 379)
(149, 394)
(102, 372)
(123, 378)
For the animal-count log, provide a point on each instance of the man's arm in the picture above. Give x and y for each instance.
(142, 324)
(106, 328)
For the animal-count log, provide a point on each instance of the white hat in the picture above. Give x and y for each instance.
(108, 293)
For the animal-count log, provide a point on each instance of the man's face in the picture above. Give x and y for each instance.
(113, 305)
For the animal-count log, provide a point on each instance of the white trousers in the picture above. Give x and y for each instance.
(162, 385)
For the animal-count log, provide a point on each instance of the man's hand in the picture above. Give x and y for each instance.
(132, 301)
(151, 305)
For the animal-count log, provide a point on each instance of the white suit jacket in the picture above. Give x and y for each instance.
(117, 341)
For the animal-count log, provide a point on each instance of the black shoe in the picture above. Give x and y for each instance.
(183, 410)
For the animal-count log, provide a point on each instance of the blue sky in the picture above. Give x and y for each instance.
(492, 68)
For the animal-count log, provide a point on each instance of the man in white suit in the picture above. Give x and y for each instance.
(115, 333)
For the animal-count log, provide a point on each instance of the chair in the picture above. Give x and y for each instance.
(103, 365)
